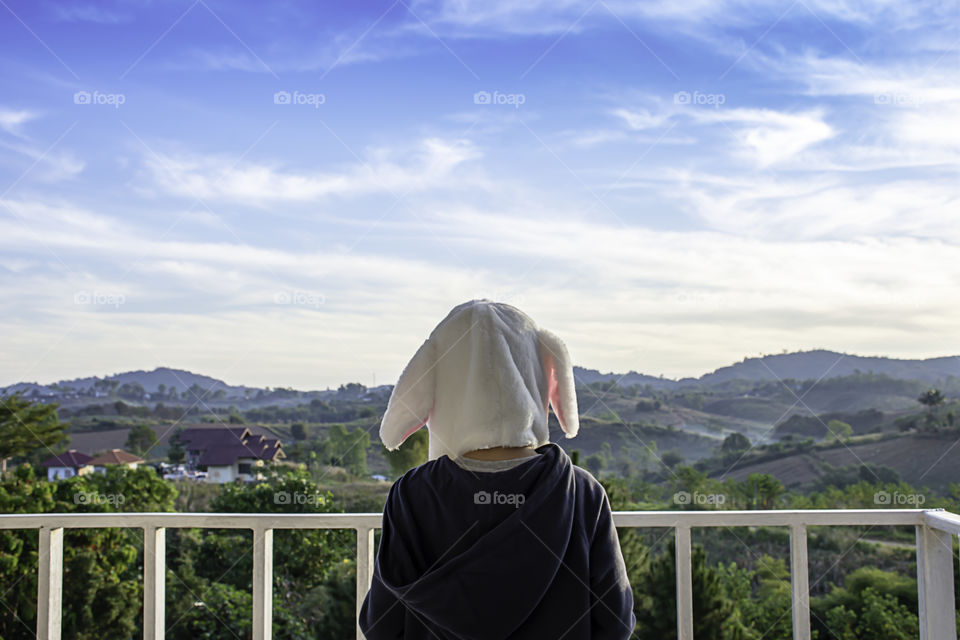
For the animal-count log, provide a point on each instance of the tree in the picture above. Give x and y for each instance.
(141, 439)
(348, 449)
(595, 463)
(25, 426)
(175, 450)
(413, 452)
(839, 429)
(101, 566)
(735, 443)
(761, 491)
(671, 458)
(932, 398)
(313, 577)
(653, 581)
(132, 391)
(298, 431)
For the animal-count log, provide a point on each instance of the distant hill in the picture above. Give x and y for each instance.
(805, 365)
(919, 459)
(630, 379)
(800, 365)
(151, 380)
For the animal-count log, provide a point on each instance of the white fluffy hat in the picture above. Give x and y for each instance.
(483, 379)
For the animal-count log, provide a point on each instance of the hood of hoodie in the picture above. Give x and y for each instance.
(497, 538)
(483, 378)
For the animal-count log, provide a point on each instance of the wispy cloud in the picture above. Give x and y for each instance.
(425, 166)
(84, 12)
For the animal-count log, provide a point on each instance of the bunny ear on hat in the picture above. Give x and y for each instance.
(560, 384)
(411, 401)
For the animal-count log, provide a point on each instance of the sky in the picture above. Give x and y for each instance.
(295, 193)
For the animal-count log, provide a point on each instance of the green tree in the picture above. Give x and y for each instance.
(175, 450)
(595, 463)
(25, 426)
(101, 567)
(931, 398)
(413, 452)
(141, 439)
(839, 430)
(760, 491)
(653, 580)
(298, 431)
(735, 443)
(314, 570)
(348, 449)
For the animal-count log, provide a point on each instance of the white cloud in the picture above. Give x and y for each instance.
(765, 136)
(191, 301)
(49, 164)
(770, 136)
(11, 121)
(79, 12)
(429, 165)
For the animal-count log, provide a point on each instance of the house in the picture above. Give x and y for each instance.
(115, 457)
(229, 453)
(68, 464)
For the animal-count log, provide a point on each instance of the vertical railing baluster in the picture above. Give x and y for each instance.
(800, 582)
(262, 583)
(684, 584)
(50, 583)
(935, 584)
(154, 582)
(364, 569)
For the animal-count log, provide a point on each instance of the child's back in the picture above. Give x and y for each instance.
(527, 552)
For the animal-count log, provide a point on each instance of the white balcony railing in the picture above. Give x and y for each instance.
(934, 531)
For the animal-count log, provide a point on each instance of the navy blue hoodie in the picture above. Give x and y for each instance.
(528, 552)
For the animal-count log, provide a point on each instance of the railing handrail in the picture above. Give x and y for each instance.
(934, 531)
(936, 518)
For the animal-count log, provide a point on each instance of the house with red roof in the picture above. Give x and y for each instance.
(116, 457)
(67, 464)
(229, 453)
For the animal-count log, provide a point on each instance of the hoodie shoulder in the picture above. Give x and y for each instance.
(587, 483)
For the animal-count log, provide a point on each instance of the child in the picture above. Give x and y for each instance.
(498, 535)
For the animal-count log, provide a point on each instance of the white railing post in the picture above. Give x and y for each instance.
(364, 569)
(50, 583)
(938, 617)
(799, 582)
(684, 584)
(262, 583)
(154, 582)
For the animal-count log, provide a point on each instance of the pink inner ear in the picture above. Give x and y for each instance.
(553, 393)
(413, 430)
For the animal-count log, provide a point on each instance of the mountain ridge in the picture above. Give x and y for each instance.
(799, 365)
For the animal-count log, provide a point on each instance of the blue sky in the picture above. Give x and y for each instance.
(294, 194)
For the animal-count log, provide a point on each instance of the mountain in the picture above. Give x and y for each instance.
(800, 365)
(806, 365)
